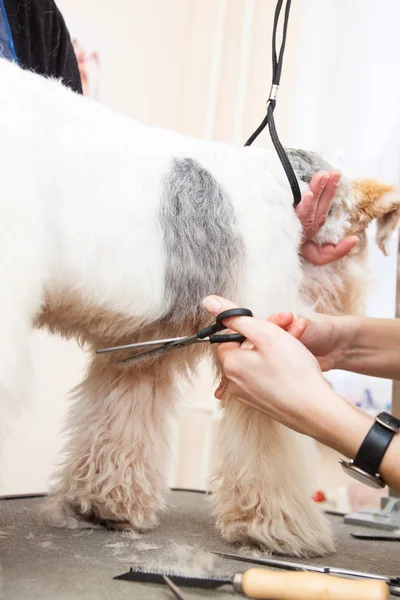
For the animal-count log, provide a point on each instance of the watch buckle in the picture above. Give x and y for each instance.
(387, 425)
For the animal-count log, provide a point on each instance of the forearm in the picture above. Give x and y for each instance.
(371, 346)
(343, 428)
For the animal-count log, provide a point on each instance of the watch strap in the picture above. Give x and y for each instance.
(376, 442)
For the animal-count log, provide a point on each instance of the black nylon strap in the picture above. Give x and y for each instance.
(277, 62)
(375, 444)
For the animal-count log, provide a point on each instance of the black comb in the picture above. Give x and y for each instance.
(142, 576)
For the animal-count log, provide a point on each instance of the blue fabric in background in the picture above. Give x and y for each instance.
(7, 49)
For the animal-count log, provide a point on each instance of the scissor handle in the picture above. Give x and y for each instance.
(232, 312)
(227, 337)
(219, 326)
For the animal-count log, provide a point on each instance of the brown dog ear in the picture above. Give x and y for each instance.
(387, 224)
(375, 200)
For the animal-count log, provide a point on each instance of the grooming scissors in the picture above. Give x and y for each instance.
(207, 334)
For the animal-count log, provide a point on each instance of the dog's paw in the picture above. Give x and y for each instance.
(58, 511)
(301, 534)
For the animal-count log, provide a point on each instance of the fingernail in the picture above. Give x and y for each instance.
(323, 181)
(212, 305)
(308, 198)
(337, 177)
(218, 391)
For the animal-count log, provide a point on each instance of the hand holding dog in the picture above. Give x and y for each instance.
(313, 211)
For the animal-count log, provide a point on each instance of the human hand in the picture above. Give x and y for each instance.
(328, 338)
(273, 372)
(313, 211)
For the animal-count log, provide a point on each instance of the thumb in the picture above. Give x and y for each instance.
(250, 327)
(215, 305)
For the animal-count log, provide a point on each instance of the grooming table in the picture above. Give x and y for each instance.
(42, 563)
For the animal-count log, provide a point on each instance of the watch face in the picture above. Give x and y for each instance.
(371, 480)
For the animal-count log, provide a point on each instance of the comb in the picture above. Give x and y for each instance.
(144, 576)
(274, 585)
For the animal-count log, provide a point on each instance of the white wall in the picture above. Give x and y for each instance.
(32, 443)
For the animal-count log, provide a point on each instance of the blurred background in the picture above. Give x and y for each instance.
(203, 67)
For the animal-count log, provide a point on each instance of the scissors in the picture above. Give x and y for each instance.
(203, 335)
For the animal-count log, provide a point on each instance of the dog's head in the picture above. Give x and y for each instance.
(343, 284)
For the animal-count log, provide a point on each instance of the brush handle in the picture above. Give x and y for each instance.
(264, 584)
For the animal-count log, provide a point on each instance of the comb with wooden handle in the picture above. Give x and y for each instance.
(265, 584)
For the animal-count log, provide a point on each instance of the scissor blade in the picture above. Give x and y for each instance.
(280, 564)
(173, 345)
(140, 344)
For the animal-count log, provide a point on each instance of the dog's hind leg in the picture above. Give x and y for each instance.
(263, 486)
(117, 456)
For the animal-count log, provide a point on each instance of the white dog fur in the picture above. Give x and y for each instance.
(112, 232)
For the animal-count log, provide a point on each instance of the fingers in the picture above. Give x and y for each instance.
(322, 255)
(315, 205)
(225, 350)
(250, 327)
(215, 305)
(221, 389)
(297, 328)
(328, 191)
(287, 321)
(283, 320)
(318, 182)
(304, 206)
(307, 213)
(345, 245)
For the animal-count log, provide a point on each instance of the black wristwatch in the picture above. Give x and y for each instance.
(365, 466)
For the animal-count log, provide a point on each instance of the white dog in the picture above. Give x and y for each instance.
(113, 232)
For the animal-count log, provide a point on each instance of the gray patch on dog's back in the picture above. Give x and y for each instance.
(202, 245)
(306, 164)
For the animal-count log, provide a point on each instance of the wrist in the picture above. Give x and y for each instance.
(342, 426)
(373, 464)
(346, 330)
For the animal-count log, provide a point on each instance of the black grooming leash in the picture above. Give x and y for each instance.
(277, 62)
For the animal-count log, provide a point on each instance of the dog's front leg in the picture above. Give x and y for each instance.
(117, 456)
(263, 486)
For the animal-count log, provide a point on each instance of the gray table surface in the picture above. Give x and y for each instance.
(39, 562)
